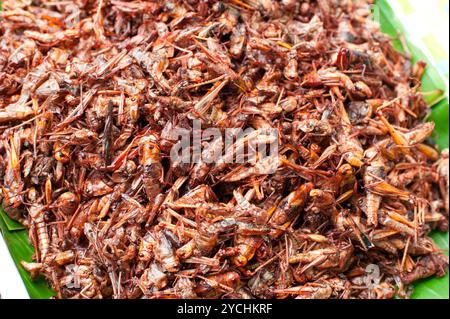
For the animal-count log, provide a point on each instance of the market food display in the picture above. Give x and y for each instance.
(93, 93)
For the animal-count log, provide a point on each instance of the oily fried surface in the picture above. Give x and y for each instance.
(92, 94)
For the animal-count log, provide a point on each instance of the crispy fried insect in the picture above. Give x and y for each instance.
(152, 168)
(218, 149)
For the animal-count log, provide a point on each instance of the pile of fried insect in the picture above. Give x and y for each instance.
(91, 91)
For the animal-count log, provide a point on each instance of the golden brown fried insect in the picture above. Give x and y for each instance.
(218, 284)
(165, 253)
(288, 209)
(152, 168)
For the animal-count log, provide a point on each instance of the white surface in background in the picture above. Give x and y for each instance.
(11, 284)
(427, 20)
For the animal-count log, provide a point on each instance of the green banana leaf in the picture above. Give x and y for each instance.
(435, 288)
(20, 249)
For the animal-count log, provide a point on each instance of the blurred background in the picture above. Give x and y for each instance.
(427, 23)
